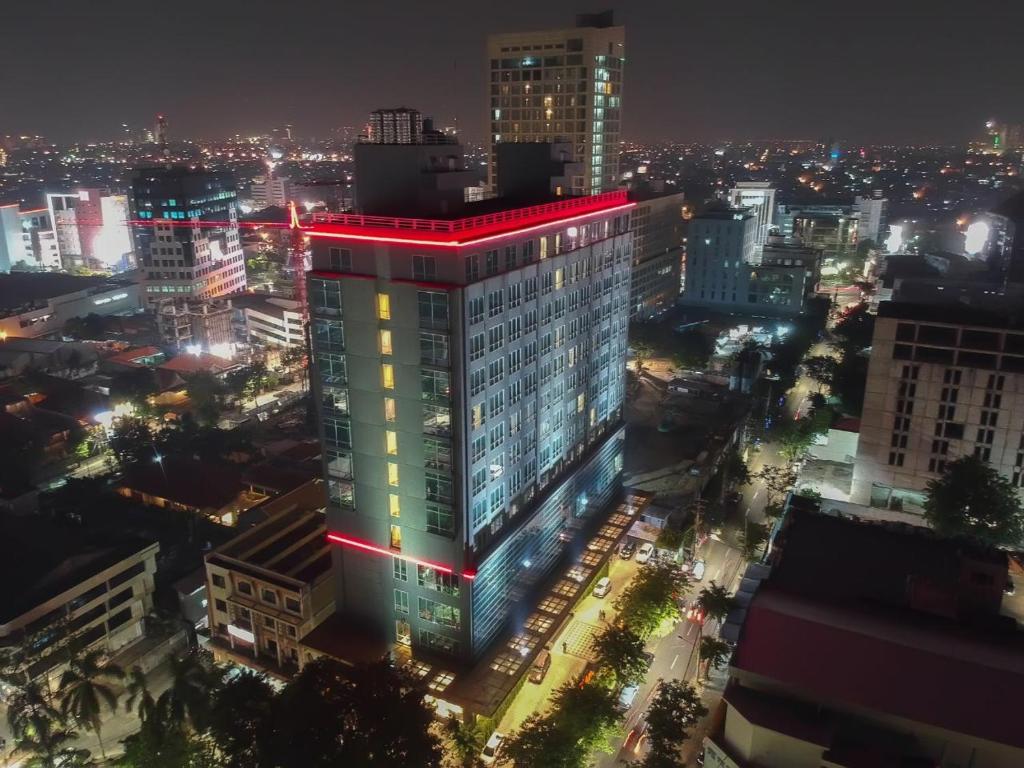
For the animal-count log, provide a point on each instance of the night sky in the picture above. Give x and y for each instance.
(899, 71)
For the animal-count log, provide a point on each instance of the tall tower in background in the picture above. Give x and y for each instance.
(560, 85)
(759, 196)
(395, 126)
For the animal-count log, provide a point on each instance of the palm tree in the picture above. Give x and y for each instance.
(713, 652)
(27, 706)
(139, 697)
(715, 601)
(45, 740)
(193, 683)
(85, 687)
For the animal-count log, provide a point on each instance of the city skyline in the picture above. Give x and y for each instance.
(849, 75)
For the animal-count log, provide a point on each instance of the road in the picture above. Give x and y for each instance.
(675, 654)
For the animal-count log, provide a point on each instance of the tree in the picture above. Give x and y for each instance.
(675, 708)
(206, 395)
(619, 651)
(642, 352)
(241, 721)
(132, 442)
(46, 741)
(651, 598)
(777, 480)
(85, 687)
(540, 741)
(693, 350)
(972, 499)
(714, 652)
(753, 539)
(188, 698)
(735, 470)
(715, 601)
(370, 715)
(139, 697)
(821, 368)
(464, 741)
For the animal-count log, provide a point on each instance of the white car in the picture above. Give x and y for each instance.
(645, 553)
(603, 587)
(490, 753)
(698, 570)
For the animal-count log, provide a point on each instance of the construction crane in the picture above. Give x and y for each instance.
(297, 260)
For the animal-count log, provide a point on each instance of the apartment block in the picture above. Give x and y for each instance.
(657, 227)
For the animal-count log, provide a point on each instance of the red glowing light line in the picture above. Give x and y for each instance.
(374, 549)
(471, 241)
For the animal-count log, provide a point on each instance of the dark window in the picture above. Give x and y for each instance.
(977, 360)
(932, 355)
(902, 352)
(955, 431)
(119, 598)
(936, 334)
(127, 573)
(980, 340)
(1014, 343)
(218, 580)
(245, 587)
(905, 331)
(118, 619)
(220, 605)
(292, 605)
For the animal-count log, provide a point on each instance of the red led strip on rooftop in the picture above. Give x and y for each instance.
(366, 546)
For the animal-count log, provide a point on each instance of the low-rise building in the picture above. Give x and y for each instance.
(196, 325)
(270, 320)
(272, 585)
(64, 583)
(34, 304)
(871, 644)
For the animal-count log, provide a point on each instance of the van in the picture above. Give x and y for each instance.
(603, 587)
(540, 667)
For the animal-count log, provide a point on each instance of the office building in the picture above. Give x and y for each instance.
(560, 85)
(872, 218)
(27, 240)
(196, 325)
(188, 239)
(943, 381)
(270, 320)
(39, 304)
(271, 585)
(395, 126)
(728, 271)
(271, 190)
(12, 241)
(657, 226)
(469, 370)
(759, 196)
(909, 662)
(101, 586)
(831, 227)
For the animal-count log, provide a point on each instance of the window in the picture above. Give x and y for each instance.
(495, 303)
(438, 487)
(293, 605)
(478, 448)
(383, 306)
(438, 642)
(428, 578)
(510, 257)
(392, 473)
(396, 537)
(268, 596)
(479, 480)
(220, 605)
(341, 259)
(477, 381)
(433, 308)
(477, 345)
(390, 409)
(495, 338)
(437, 453)
(473, 268)
(433, 348)
(495, 371)
(439, 613)
(385, 342)
(491, 262)
(400, 568)
(387, 375)
(477, 415)
(245, 588)
(424, 267)
(435, 385)
(218, 580)
(440, 519)
(401, 601)
(391, 442)
(437, 419)
(476, 310)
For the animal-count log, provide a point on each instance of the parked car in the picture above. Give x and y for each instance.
(627, 550)
(628, 696)
(540, 667)
(645, 553)
(490, 753)
(695, 613)
(603, 587)
(698, 570)
(636, 736)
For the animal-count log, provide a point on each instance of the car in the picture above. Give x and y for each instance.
(603, 587)
(695, 613)
(698, 570)
(644, 554)
(627, 550)
(490, 753)
(628, 696)
(636, 736)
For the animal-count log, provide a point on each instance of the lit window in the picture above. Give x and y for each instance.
(383, 306)
(580, 402)
(391, 442)
(388, 374)
(385, 342)
(389, 409)
(394, 506)
(396, 537)
(393, 475)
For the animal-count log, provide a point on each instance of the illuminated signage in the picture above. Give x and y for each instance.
(108, 299)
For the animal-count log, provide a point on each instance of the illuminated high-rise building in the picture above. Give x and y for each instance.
(759, 196)
(469, 367)
(395, 126)
(561, 85)
(187, 239)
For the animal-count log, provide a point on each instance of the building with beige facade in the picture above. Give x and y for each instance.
(272, 585)
(944, 381)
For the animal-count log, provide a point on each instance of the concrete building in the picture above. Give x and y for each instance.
(196, 325)
(944, 381)
(99, 590)
(270, 320)
(271, 585)
(759, 196)
(872, 218)
(271, 190)
(560, 85)
(831, 227)
(395, 126)
(36, 305)
(727, 270)
(27, 240)
(469, 373)
(192, 247)
(838, 664)
(91, 229)
(657, 227)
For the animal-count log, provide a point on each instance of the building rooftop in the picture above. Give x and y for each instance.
(941, 313)
(52, 559)
(24, 291)
(273, 306)
(493, 218)
(194, 483)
